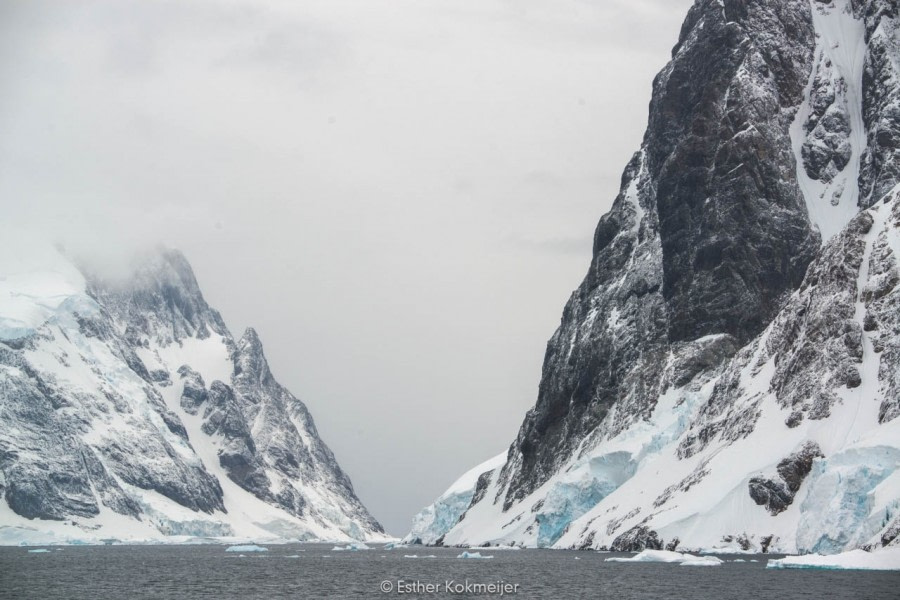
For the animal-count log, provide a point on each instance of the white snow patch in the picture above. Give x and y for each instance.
(841, 40)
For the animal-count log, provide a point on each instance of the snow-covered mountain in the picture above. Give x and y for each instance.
(129, 411)
(726, 376)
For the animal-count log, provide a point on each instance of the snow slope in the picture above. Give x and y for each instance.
(829, 135)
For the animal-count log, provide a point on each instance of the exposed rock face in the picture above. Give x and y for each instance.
(739, 309)
(777, 495)
(707, 234)
(133, 399)
(827, 149)
(880, 170)
(637, 539)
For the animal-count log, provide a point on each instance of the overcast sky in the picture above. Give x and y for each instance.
(399, 195)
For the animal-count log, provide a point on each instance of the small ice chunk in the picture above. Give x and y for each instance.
(246, 548)
(351, 547)
(394, 546)
(472, 555)
(38, 551)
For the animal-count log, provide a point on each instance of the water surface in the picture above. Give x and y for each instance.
(316, 571)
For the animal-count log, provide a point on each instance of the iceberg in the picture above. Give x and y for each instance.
(667, 556)
(246, 548)
(885, 559)
(394, 546)
(702, 561)
(39, 551)
(352, 547)
(472, 555)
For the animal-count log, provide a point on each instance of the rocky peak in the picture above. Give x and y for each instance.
(161, 300)
(250, 365)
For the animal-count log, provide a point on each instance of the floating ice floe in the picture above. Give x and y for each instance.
(702, 561)
(394, 546)
(666, 556)
(472, 555)
(38, 551)
(885, 559)
(352, 547)
(246, 548)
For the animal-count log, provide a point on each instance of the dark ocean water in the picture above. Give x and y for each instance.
(316, 571)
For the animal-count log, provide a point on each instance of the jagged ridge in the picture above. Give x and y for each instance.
(133, 400)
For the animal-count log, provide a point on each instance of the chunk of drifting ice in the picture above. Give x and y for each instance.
(352, 547)
(702, 561)
(472, 555)
(666, 556)
(394, 546)
(885, 559)
(246, 548)
(38, 551)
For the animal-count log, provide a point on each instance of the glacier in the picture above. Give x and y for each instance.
(432, 522)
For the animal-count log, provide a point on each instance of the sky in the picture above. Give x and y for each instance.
(398, 195)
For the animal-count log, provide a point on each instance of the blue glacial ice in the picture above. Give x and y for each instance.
(839, 509)
(472, 555)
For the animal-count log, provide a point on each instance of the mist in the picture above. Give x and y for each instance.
(398, 195)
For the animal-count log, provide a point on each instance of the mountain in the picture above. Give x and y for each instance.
(726, 375)
(129, 411)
